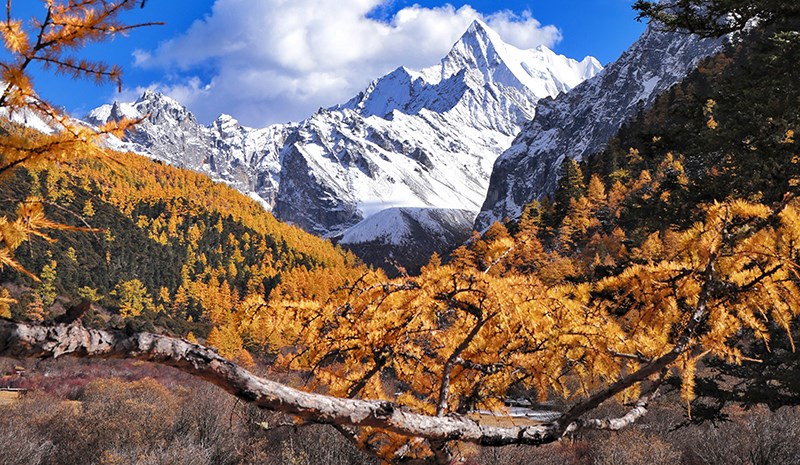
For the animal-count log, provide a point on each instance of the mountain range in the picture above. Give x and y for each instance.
(412, 139)
(419, 140)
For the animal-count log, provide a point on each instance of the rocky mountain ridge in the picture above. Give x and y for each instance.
(580, 123)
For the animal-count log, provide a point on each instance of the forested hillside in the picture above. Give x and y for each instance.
(731, 123)
(171, 249)
(725, 134)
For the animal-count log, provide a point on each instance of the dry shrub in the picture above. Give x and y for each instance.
(561, 453)
(137, 413)
(19, 444)
(141, 422)
(755, 437)
(179, 453)
(633, 447)
(115, 423)
(317, 444)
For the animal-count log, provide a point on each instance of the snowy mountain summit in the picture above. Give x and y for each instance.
(424, 139)
(481, 53)
(539, 70)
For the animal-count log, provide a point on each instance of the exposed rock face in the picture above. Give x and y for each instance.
(226, 151)
(580, 123)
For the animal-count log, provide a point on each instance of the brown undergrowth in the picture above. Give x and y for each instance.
(126, 412)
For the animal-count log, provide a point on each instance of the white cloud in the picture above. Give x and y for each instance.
(141, 57)
(279, 60)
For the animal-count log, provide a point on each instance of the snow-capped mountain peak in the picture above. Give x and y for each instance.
(227, 126)
(480, 58)
(591, 67)
(155, 105)
(479, 48)
(113, 112)
(152, 97)
(539, 70)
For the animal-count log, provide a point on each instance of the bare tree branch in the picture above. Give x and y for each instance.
(638, 411)
(444, 388)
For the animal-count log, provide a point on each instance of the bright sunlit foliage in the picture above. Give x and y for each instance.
(53, 42)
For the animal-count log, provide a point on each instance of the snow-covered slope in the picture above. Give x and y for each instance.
(424, 139)
(581, 122)
(28, 118)
(246, 158)
(390, 238)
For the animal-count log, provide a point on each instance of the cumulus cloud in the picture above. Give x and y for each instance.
(277, 60)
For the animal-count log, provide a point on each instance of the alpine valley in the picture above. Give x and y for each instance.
(510, 257)
(412, 139)
(419, 140)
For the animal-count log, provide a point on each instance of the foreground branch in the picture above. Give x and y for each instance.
(27, 340)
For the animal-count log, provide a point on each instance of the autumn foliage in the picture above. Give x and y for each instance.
(53, 43)
(209, 247)
(458, 337)
(628, 280)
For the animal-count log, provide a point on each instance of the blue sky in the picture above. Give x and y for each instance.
(267, 61)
